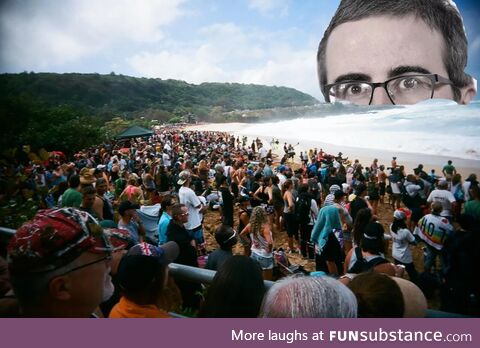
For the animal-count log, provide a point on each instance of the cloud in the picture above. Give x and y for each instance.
(225, 52)
(44, 34)
(270, 7)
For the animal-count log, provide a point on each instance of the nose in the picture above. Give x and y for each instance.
(380, 97)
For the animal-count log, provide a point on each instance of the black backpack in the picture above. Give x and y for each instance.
(302, 209)
(362, 265)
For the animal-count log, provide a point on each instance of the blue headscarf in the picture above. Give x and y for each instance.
(327, 221)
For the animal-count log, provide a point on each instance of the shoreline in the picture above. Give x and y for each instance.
(365, 155)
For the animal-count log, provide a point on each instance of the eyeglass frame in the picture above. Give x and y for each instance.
(108, 257)
(434, 78)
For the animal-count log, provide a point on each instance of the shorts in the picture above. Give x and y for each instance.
(265, 262)
(197, 234)
(291, 225)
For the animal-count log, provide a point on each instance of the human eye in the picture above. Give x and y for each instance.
(411, 83)
(352, 90)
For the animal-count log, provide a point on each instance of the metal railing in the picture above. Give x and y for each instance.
(205, 276)
(198, 275)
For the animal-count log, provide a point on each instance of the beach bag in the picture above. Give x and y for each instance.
(302, 210)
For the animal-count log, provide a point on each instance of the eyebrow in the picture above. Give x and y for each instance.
(353, 77)
(400, 70)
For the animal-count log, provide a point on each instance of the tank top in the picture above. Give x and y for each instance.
(241, 225)
(260, 245)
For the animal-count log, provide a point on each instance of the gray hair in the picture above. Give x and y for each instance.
(309, 297)
(441, 15)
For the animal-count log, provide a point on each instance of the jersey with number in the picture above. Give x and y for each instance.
(434, 230)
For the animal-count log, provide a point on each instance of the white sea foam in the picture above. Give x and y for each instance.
(434, 127)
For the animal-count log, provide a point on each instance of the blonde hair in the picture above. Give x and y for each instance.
(257, 219)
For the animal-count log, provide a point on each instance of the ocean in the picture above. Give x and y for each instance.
(435, 127)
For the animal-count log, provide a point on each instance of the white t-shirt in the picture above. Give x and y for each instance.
(166, 160)
(188, 197)
(400, 248)
(263, 152)
(434, 230)
(445, 197)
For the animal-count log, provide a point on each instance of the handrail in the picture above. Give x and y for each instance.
(205, 276)
(7, 231)
(198, 275)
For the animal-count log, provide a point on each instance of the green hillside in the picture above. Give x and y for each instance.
(111, 95)
(69, 112)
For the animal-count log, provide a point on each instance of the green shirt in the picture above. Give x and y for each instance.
(71, 198)
(448, 168)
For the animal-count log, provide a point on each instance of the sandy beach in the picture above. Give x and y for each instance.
(365, 155)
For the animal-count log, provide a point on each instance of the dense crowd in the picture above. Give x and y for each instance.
(114, 216)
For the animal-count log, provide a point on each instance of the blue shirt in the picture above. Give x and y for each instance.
(162, 228)
(132, 228)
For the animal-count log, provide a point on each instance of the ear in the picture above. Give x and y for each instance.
(468, 92)
(60, 288)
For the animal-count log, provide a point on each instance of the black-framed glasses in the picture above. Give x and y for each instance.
(108, 257)
(407, 89)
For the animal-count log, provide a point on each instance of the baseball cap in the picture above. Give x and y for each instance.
(142, 263)
(183, 177)
(334, 188)
(126, 205)
(399, 215)
(53, 239)
(119, 238)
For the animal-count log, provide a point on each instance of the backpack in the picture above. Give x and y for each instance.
(302, 209)
(361, 265)
(459, 194)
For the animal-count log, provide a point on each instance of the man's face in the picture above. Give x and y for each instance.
(86, 284)
(88, 200)
(101, 188)
(376, 49)
(184, 215)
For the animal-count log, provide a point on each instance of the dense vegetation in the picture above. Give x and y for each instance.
(68, 112)
(111, 95)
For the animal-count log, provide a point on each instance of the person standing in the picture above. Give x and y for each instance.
(194, 206)
(402, 238)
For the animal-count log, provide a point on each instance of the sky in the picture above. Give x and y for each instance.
(269, 42)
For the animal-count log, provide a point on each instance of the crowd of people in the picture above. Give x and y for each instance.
(91, 249)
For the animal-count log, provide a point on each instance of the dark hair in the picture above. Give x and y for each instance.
(362, 218)
(167, 201)
(398, 224)
(302, 189)
(373, 240)
(439, 15)
(378, 296)
(286, 185)
(141, 278)
(74, 181)
(177, 210)
(224, 235)
(237, 290)
(275, 180)
(88, 190)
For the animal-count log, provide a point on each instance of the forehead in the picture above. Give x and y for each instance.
(376, 45)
